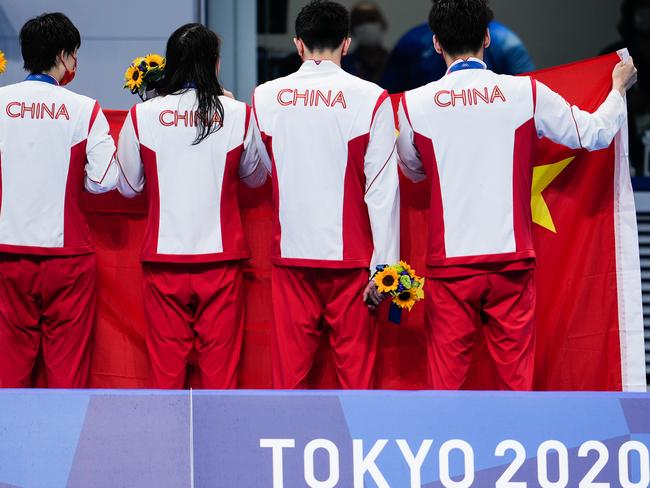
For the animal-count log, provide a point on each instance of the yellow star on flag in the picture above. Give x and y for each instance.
(542, 177)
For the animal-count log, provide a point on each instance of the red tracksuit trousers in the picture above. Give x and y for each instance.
(46, 304)
(304, 300)
(503, 305)
(194, 306)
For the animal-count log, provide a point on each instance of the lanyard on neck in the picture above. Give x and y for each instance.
(42, 77)
(469, 64)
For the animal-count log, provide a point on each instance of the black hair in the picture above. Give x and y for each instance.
(460, 25)
(191, 62)
(323, 25)
(44, 37)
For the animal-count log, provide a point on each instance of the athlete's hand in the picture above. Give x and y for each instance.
(624, 76)
(371, 296)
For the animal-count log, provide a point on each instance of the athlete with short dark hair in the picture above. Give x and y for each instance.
(53, 143)
(329, 142)
(471, 135)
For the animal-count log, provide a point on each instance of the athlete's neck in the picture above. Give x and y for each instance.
(451, 59)
(55, 72)
(333, 56)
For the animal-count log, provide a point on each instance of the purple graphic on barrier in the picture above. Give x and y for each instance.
(637, 414)
(134, 440)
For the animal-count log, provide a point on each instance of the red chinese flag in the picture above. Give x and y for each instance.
(589, 312)
(589, 316)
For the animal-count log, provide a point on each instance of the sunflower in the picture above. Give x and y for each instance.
(406, 299)
(154, 61)
(408, 269)
(138, 61)
(387, 280)
(133, 78)
(3, 62)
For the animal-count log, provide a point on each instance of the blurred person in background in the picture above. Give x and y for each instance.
(368, 55)
(634, 28)
(414, 62)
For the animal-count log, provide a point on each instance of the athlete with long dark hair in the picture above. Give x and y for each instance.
(191, 146)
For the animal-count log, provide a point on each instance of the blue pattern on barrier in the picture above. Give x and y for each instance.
(38, 436)
(142, 438)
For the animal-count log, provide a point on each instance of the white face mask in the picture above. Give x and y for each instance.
(369, 34)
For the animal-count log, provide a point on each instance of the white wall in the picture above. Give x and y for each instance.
(236, 23)
(112, 34)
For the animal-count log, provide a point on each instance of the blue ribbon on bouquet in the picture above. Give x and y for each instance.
(394, 314)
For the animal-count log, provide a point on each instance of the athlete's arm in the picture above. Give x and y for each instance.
(382, 186)
(251, 170)
(409, 158)
(101, 169)
(131, 177)
(575, 128)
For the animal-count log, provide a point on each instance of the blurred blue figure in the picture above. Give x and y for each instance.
(413, 62)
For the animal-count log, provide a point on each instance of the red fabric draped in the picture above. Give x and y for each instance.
(569, 356)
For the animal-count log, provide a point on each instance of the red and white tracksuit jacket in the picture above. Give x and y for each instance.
(328, 139)
(53, 143)
(471, 135)
(194, 241)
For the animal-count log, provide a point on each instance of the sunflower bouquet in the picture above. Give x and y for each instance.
(400, 282)
(144, 74)
(3, 62)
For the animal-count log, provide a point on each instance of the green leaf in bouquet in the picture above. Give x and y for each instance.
(406, 281)
(153, 75)
(419, 293)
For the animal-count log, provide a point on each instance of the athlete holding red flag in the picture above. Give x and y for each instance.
(471, 135)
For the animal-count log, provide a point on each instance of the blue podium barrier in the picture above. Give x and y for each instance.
(322, 439)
